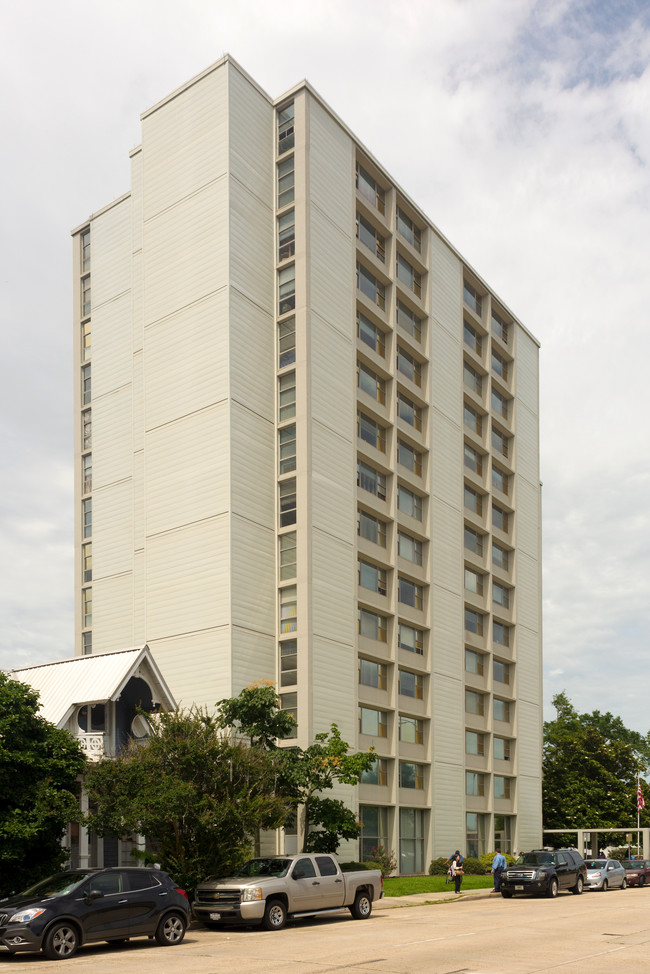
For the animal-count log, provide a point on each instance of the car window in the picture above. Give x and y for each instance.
(267, 866)
(107, 883)
(326, 866)
(595, 863)
(562, 860)
(140, 879)
(306, 867)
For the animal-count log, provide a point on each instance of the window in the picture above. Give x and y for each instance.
(371, 480)
(288, 609)
(287, 448)
(411, 775)
(473, 541)
(472, 338)
(501, 748)
(286, 396)
(473, 703)
(85, 341)
(409, 503)
(408, 411)
(377, 774)
(286, 342)
(285, 128)
(501, 671)
(474, 783)
(409, 593)
(411, 840)
(500, 595)
(372, 625)
(286, 182)
(408, 275)
(473, 662)
(371, 383)
(499, 518)
(373, 722)
(288, 502)
(500, 441)
(87, 473)
(373, 240)
(372, 577)
(374, 829)
(501, 710)
(286, 235)
(474, 622)
(410, 639)
(407, 229)
(499, 556)
(499, 404)
(409, 548)
(369, 189)
(288, 663)
(289, 703)
(372, 674)
(476, 827)
(85, 296)
(288, 555)
(410, 684)
(500, 327)
(499, 480)
(408, 321)
(85, 384)
(472, 298)
(370, 334)
(85, 250)
(473, 460)
(473, 581)
(87, 517)
(500, 634)
(501, 786)
(473, 500)
(499, 365)
(409, 367)
(474, 743)
(86, 430)
(87, 643)
(473, 420)
(371, 287)
(472, 379)
(286, 289)
(87, 607)
(411, 729)
(408, 457)
(371, 528)
(87, 562)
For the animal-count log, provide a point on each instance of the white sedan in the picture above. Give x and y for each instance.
(605, 874)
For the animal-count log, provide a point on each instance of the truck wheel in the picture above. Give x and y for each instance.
(577, 889)
(275, 915)
(61, 942)
(171, 930)
(506, 894)
(362, 906)
(552, 888)
(641, 881)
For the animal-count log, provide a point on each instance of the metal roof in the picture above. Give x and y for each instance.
(69, 683)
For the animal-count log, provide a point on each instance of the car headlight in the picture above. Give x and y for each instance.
(251, 893)
(24, 916)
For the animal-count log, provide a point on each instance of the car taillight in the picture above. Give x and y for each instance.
(179, 890)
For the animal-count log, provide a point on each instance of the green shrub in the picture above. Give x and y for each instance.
(439, 866)
(473, 866)
(384, 860)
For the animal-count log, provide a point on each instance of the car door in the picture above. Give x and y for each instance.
(103, 906)
(332, 886)
(305, 886)
(146, 897)
(565, 870)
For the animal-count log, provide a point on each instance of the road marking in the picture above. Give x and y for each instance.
(432, 940)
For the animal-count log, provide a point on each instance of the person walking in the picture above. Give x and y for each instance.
(457, 871)
(498, 865)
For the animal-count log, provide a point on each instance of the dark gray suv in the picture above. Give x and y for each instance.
(544, 872)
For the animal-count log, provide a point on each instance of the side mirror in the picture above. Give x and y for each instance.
(298, 874)
(93, 894)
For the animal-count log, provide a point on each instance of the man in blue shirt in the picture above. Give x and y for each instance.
(498, 865)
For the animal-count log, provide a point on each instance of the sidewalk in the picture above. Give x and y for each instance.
(420, 899)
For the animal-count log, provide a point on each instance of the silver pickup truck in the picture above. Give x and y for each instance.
(271, 889)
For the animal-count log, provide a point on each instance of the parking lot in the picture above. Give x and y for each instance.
(473, 934)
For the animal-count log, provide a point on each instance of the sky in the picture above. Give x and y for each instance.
(521, 128)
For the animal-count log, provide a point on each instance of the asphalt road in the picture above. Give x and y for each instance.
(480, 934)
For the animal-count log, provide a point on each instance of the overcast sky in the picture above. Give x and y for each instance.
(520, 127)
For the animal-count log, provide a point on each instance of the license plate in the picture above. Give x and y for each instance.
(215, 916)
(519, 887)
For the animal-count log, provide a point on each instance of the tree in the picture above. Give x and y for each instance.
(39, 791)
(306, 773)
(197, 795)
(590, 768)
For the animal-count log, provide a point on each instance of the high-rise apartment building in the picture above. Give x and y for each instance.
(310, 455)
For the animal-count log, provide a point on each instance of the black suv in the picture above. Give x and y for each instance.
(544, 872)
(84, 905)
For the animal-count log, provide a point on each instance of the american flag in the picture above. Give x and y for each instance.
(640, 801)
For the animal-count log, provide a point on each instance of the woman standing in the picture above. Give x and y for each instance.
(457, 871)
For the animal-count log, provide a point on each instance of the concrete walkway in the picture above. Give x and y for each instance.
(420, 899)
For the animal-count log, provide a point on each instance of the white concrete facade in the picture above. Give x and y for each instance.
(310, 423)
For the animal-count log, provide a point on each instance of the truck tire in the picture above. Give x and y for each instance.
(362, 906)
(577, 889)
(641, 881)
(507, 894)
(552, 888)
(275, 915)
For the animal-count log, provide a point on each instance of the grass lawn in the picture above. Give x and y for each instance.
(404, 885)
